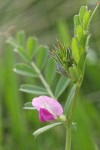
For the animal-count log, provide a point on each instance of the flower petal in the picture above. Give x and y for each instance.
(45, 115)
(49, 104)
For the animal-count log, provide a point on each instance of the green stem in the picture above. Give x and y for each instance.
(68, 127)
(42, 80)
(68, 138)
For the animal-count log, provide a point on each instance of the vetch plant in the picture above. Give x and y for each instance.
(70, 63)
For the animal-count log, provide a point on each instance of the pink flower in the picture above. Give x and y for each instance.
(48, 108)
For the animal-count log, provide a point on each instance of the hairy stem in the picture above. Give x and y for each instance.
(42, 80)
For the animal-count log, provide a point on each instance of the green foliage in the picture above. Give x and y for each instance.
(81, 36)
(43, 129)
(86, 20)
(74, 73)
(79, 32)
(28, 106)
(68, 57)
(61, 86)
(69, 100)
(75, 49)
(81, 62)
(76, 21)
(41, 56)
(31, 46)
(25, 70)
(81, 39)
(33, 89)
(82, 11)
(18, 48)
(21, 38)
(36, 58)
(50, 71)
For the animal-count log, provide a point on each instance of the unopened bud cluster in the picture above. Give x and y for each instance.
(63, 57)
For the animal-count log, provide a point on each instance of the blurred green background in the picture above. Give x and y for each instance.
(48, 20)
